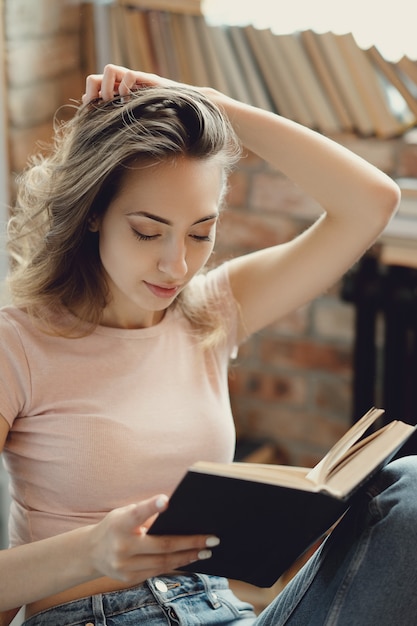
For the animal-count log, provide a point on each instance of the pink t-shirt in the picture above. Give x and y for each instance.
(109, 419)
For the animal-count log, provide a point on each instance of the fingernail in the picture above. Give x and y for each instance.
(212, 542)
(161, 502)
(204, 554)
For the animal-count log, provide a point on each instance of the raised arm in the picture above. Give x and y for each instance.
(357, 200)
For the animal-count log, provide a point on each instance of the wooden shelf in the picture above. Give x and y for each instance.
(191, 7)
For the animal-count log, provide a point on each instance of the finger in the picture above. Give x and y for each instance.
(112, 77)
(135, 517)
(105, 85)
(145, 566)
(92, 87)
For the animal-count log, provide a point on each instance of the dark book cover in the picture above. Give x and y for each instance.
(263, 528)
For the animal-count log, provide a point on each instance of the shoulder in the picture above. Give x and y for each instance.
(13, 321)
(15, 375)
(214, 284)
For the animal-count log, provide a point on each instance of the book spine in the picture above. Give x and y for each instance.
(311, 42)
(388, 70)
(368, 87)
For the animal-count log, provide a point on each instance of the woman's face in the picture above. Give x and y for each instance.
(157, 233)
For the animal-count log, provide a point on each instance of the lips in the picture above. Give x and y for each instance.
(162, 291)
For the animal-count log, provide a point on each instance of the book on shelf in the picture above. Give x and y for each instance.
(311, 43)
(166, 32)
(256, 39)
(138, 49)
(116, 27)
(236, 88)
(388, 70)
(181, 48)
(346, 85)
(311, 92)
(196, 60)
(267, 516)
(408, 67)
(249, 70)
(286, 80)
(157, 36)
(385, 123)
(215, 63)
(322, 80)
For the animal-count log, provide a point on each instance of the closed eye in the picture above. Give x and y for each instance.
(143, 237)
(201, 237)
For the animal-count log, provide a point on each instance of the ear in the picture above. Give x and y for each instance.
(93, 223)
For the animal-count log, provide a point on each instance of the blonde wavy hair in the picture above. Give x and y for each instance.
(55, 262)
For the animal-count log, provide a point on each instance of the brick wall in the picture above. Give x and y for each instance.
(44, 61)
(292, 382)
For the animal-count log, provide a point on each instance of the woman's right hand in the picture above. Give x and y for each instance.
(122, 549)
(121, 81)
(118, 547)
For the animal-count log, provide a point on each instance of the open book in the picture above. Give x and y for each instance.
(266, 516)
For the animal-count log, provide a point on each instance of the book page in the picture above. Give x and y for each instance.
(320, 471)
(367, 456)
(286, 476)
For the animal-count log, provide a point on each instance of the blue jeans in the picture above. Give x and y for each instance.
(364, 574)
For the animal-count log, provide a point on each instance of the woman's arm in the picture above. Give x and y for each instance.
(357, 199)
(117, 547)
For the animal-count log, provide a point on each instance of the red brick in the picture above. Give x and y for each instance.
(267, 386)
(294, 430)
(333, 393)
(238, 189)
(295, 323)
(305, 354)
(243, 231)
(273, 192)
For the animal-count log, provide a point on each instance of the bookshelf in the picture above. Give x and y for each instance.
(323, 80)
(190, 7)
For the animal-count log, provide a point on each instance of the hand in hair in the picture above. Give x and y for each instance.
(118, 80)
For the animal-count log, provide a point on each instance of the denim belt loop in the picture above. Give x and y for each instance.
(211, 595)
(98, 610)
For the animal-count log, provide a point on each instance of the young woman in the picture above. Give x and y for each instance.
(115, 353)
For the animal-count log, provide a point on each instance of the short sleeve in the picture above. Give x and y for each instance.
(14, 371)
(219, 291)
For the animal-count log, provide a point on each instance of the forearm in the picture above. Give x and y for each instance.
(337, 178)
(118, 547)
(35, 570)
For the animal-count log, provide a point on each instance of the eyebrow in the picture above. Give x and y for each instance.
(162, 220)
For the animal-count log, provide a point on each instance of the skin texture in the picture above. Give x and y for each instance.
(155, 237)
(144, 277)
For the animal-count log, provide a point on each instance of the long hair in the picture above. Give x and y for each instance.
(55, 261)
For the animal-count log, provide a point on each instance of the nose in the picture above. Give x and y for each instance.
(173, 260)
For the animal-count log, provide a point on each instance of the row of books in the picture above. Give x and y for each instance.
(322, 80)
